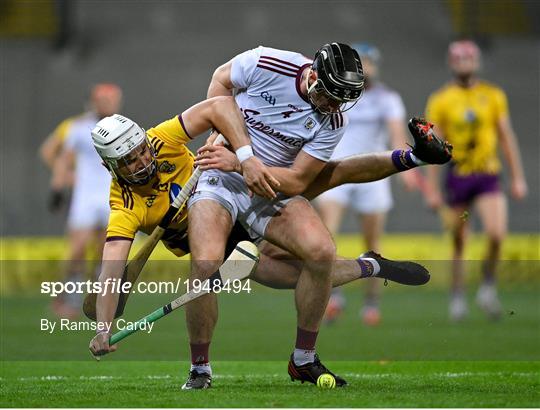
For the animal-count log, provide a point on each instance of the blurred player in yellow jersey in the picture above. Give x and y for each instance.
(76, 165)
(473, 115)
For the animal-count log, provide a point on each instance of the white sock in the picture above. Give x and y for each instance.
(301, 356)
(376, 266)
(202, 368)
(417, 160)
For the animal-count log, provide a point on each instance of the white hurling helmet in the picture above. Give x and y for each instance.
(119, 142)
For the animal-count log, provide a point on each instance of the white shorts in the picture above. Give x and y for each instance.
(366, 198)
(230, 190)
(88, 213)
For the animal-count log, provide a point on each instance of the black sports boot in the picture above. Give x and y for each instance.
(310, 372)
(404, 272)
(197, 380)
(427, 146)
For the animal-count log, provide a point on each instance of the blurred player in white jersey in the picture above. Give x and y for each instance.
(89, 207)
(375, 122)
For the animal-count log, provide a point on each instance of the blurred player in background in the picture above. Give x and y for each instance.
(473, 115)
(378, 115)
(50, 151)
(78, 165)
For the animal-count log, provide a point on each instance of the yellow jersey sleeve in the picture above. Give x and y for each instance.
(124, 221)
(61, 132)
(500, 103)
(171, 131)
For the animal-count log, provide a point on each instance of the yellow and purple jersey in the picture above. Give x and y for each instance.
(468, 119)
(140, 208)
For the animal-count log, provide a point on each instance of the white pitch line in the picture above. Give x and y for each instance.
(449, 375)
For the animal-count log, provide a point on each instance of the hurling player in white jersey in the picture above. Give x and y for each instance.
(375, 122)
(291, 107)
(80, 165)
(293, 111)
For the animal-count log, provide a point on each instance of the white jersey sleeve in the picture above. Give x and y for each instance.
(326, 140)
(72, 140)
(243, 67)
(394, 108)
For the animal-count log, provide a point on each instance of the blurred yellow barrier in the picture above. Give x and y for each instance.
(25, 262)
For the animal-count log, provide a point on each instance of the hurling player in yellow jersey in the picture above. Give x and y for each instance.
(473, 115)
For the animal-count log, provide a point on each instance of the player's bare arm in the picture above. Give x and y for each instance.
(295, 180)
(115, 254)
(222, 113)
(50, 150)
(63, 170)
(354, 169)
(221, 83)
(62, 177)
(511, 152)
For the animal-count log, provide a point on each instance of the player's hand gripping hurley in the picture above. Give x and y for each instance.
(136, 264)
(238, 266)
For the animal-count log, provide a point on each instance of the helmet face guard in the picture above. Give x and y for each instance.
(137, 166)
(340, 78)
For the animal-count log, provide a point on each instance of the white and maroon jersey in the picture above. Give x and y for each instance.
(92, 180)
(279, 119)
(367, 129)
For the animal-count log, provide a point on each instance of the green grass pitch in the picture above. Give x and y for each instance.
(264, 384)
(415, 358)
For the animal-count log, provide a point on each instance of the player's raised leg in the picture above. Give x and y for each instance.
(209, 227)
(279, 269)
(428, 149)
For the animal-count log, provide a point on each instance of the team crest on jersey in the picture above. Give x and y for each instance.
(309, 123)
(470, 116)
(265, 95)
(167, 167)
(213, 180)
(174, 191)
(150, 200)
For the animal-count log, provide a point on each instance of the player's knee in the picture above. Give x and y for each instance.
(203, 268)
(321, 252)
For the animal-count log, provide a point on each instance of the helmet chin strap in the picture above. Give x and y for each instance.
(308, 87)
(309, 90)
